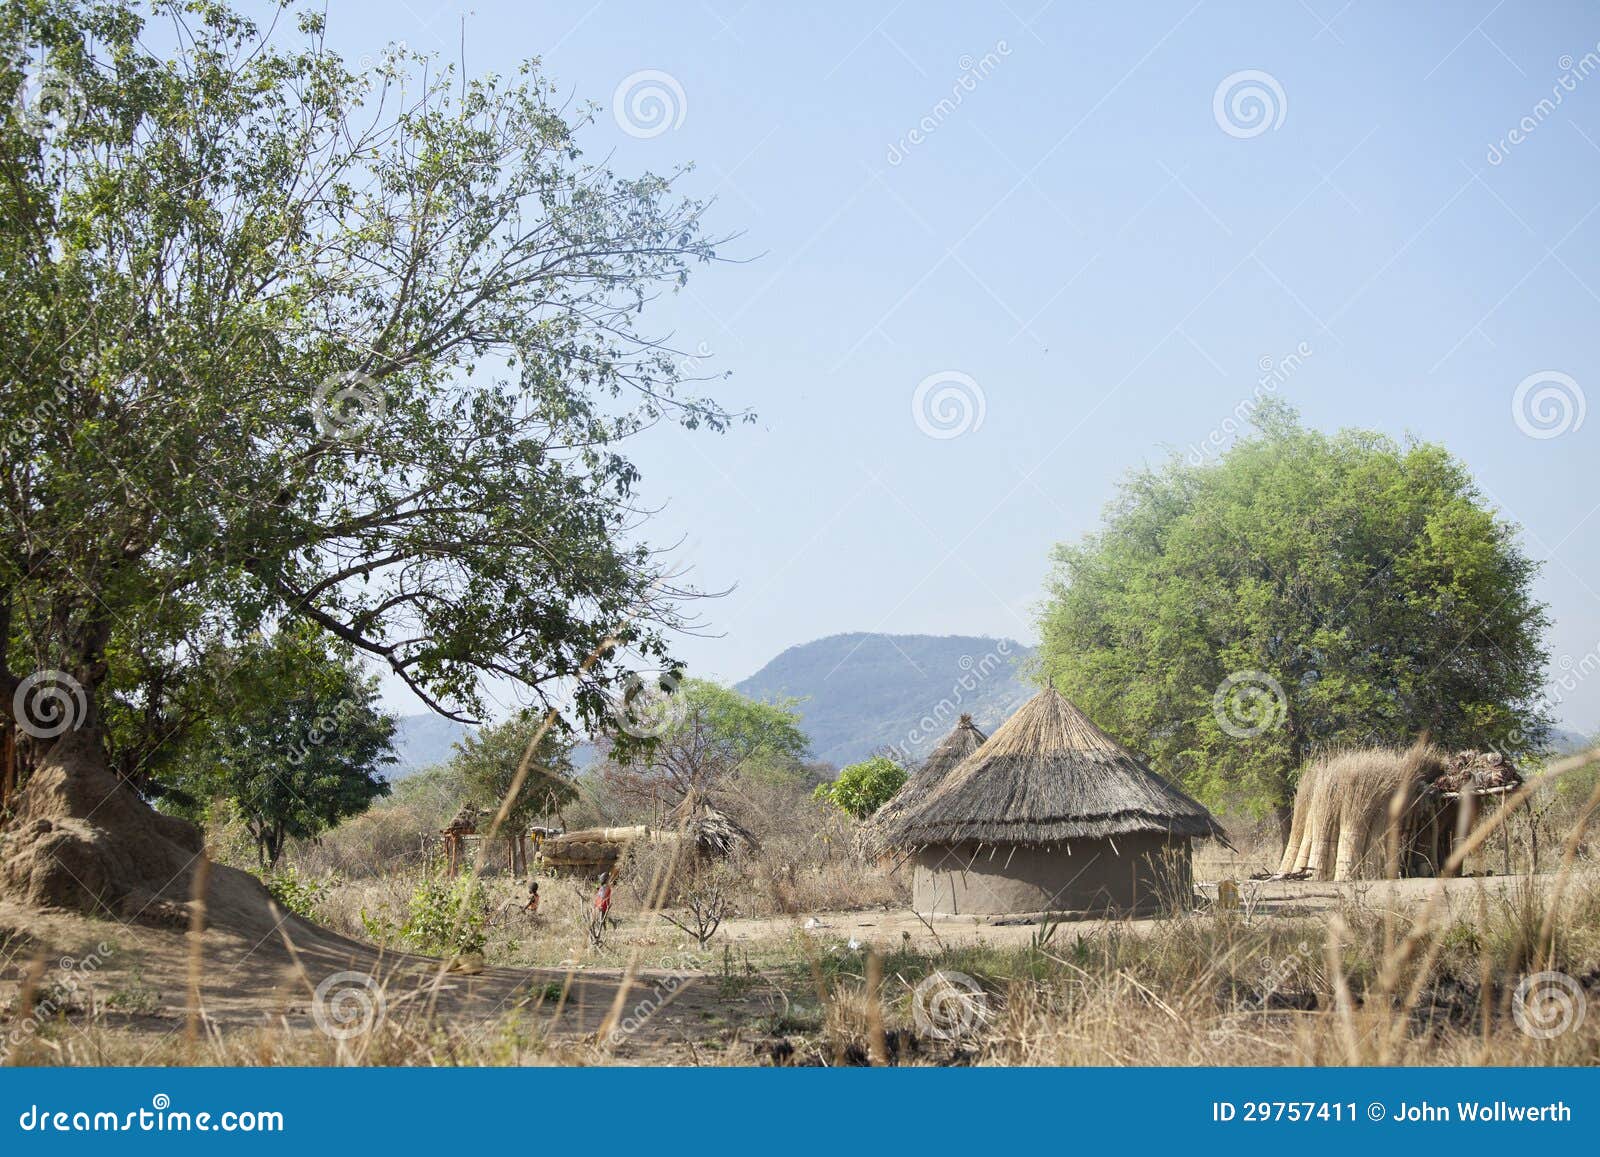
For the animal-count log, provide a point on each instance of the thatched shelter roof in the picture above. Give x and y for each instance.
(1049, 774)
(714, 832)
(962, 741)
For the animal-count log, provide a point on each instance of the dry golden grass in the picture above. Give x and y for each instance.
(1408, 972)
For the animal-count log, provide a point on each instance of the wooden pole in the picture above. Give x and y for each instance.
(1505, 832)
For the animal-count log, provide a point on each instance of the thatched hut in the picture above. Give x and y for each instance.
(962, 741)
(1051, 815)
(714, 834)
(1370, 813)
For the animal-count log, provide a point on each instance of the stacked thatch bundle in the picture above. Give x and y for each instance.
(1478, 771)
(1357, 810)
(1051, 814)
(954, 748)
(590, 851)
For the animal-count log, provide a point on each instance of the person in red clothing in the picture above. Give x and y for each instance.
(601, 911)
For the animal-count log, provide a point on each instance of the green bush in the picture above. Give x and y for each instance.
(862, 788)
(294, 892)
(448, 917)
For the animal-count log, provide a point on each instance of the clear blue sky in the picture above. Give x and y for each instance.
(1083, 238)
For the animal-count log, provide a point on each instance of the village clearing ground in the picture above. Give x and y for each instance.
(770, 988)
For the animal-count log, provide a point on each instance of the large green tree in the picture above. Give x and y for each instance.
(1306, 590)
(282, 340)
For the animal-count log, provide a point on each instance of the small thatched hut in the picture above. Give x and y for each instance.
(714, 834)
(1051, 815)
(962, 741)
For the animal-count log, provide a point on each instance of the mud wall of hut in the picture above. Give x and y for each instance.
(1133, 875)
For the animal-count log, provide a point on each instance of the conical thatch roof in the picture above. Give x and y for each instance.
(962, 741)
(1049, 774)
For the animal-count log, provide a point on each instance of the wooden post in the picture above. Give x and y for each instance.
(1505, 832)
(8, 768)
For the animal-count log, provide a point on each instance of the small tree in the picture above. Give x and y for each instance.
(707, 900)
(488, 761)
(295, 763)
(862, 788)
(705, 734)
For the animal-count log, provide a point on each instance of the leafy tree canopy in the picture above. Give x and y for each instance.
(702, 734)
(1307, 590)
(283, 340)
(862, 788)
(488, 761)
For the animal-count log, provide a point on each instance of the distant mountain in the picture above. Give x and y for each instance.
(864, 692)
(420, 741)
(1564, 742)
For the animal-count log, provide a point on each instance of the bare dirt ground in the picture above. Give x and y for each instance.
(622, 1006)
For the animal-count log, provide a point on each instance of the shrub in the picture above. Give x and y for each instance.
(448, 917)
(294, 892)
(862, 788)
